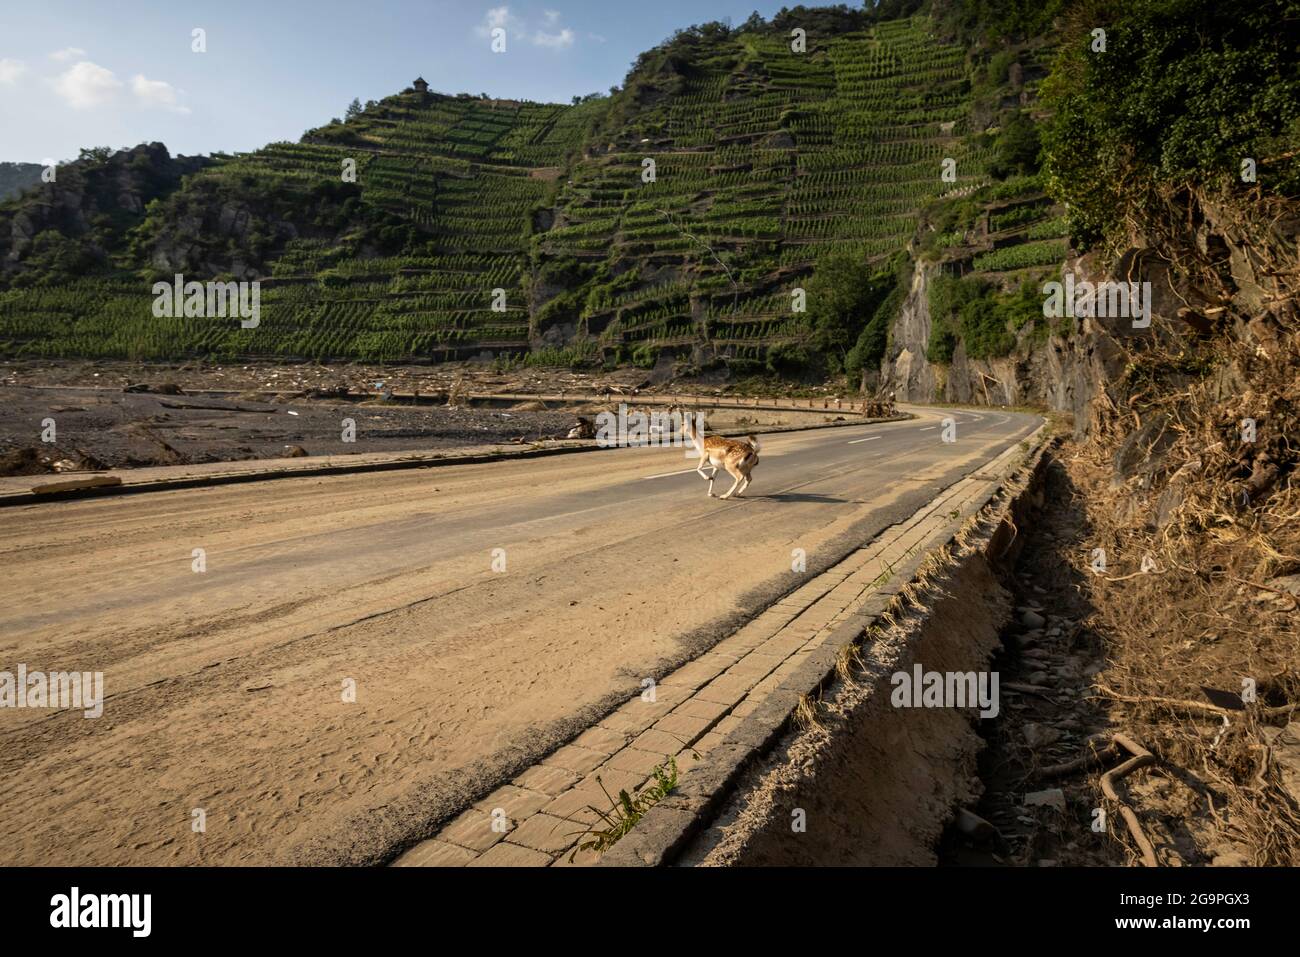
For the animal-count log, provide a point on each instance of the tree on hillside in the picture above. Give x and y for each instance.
(354, 109)
(842, 295)
(1017, 148)
(95, 154)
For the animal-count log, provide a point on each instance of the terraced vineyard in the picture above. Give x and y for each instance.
(479, 226)
(764, 160)
(464, 174)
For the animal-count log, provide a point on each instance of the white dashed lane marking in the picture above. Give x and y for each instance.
(666, 474)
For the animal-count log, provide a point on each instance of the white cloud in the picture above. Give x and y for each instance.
(67, 53)
(157, 93)
(545, 35)
(556, 41)
(11, 70)
(87, 85)
(500, 17)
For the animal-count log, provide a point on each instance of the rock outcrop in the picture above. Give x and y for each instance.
(88, 210)
(1062, 372)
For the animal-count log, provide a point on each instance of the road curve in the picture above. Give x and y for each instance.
(228, 689)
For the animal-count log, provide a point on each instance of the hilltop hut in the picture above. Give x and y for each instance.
(419, 85)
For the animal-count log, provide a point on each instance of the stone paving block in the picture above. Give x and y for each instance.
(546, 779)
(709, 742)
(819, 639)
(628, 721)
(600, 739)
(435, 853)
(637, 715)
(687, 727)
(791, 664)
(472, 829)
(783, 646)
(517, 802)
(666, 698)
(511, 855)
(739, 645)
(756, 665)
(730, 682)
(757, 631)
(692, 675)
(577, 807)
(630, 759)
(784, 615)
(687, 759)
(867, 577)
(697, 708)
(542, 832)
(815, 615)
(572, 758)
(804, 595)
(659, 743)
(726, 725)
(766, 686)
(728, 691)
(577, 858)
(610, 780)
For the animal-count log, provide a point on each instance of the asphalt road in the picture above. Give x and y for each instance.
(354, 662)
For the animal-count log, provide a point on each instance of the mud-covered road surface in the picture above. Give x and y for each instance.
(329, 666)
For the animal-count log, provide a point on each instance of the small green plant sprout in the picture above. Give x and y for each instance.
(627, 809)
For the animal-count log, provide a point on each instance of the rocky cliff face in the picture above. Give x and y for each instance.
(88, 208)
(17, 177)
(1063, 373)
(218, 237)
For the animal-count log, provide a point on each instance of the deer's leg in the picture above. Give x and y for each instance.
(735, 473)
(700, 468)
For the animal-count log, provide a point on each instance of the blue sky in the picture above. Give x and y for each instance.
(77, 73)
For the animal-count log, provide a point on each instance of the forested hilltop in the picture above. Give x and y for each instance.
(754, 197)
(16, 177)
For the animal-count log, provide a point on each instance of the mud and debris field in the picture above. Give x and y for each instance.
(121, 415)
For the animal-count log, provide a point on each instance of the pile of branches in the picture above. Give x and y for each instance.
(1200, 528)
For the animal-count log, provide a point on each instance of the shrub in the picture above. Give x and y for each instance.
(788, 360)
(1017, 148)
(1184, 91)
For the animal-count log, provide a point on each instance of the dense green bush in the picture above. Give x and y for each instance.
(645, 356)
(1185, 90)
(843, 293)
(945, 220)
(948, 297)
(789, 360)
(1016, 150)
(973, 312)
(1000, 19)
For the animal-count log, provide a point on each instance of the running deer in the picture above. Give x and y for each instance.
(738, 458)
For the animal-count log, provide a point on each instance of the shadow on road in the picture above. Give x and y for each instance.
(801, 497)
